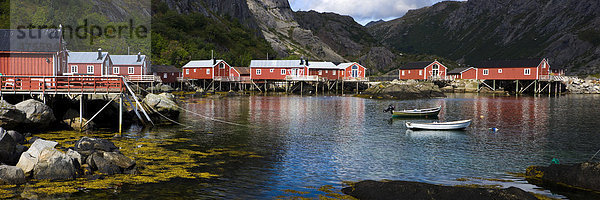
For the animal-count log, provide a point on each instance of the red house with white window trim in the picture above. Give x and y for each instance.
(35, 52)
(352, 70)
(206, 70)
(277, 69)
(167, 73)
(89, 63)
(127, 65)
(529, 69)
(326, 70)
(426, 70)
(465, 73)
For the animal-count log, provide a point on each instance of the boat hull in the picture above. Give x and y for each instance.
(432, 112)
(457, 125)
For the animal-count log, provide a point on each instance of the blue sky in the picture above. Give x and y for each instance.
(363, 11)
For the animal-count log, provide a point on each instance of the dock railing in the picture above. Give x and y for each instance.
(61, 84)
(302, 78)
(356, 79)
(143, 78)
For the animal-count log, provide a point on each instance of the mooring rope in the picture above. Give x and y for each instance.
(186, 126)
(200, 115)
(594, 155)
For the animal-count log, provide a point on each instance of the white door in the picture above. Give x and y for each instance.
(354, 71)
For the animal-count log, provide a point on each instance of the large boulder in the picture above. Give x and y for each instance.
(163, 103)
(76, 125)
(119, 159)
(414, 190)
(583, 175)
(11, 175)
(10, 116)
(29, 159)
(86, 146)
(54, 165)
(17, 137)
(166, 88)
(97, 162)
(7, 147)
(37, 113)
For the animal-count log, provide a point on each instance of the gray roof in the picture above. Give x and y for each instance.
(164, 68)
(459, 70)
(33, 40)
(416, 65)
(277, 63)
(127, 59)
(86, 57)
(510, 63)
(322, 65)
(202, 63)
(346, 65)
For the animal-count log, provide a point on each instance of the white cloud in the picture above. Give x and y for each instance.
(363, 11)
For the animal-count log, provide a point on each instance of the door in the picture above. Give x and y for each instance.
(436, 71)
(354, 71)
(294, 72)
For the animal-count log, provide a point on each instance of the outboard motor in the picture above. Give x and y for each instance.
(390, 109)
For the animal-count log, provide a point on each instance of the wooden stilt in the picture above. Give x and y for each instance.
(317, 89)
(356, 87)
(120, 113)
(81, 113)
(301, 89)
(517, 88)
(494, 89)
(342, 88)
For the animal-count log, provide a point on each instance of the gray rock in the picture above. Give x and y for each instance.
(54, 165)
(27, 163)
(166, 88)
(583, 175)
(119, 159)
(39, 145)
(17, 137)
(10, 116)
(99, 163)
(86, 146)
(11, 175)
(37, 113)
(7, 147)
(76, 157)
(29, 159)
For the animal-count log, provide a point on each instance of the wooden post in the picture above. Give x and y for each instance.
(81, 113)
(301, 89)
(317, 89)
(535, 87)
(517, 88)
(336, 87)
(342, 88)
(287, 86)
(120, 113)
(356, 87)
(494, 88)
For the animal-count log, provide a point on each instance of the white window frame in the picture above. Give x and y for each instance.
(131, 70)
(342, 73)
(165, 75)
(283, 71)
(116, 70)
(76, 67)
(258, 71)
(90, 69)
(499, 71)
(527, 71)
(420, 72)
(486, 72)
(221, 66)
(320, 72)
(208, 71)
(194, 70)
(271, 70)
(187, 71)
(402, 72)
(333, 72)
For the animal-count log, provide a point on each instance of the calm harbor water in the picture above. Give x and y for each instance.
(306, 143)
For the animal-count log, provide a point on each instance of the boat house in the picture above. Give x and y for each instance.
(35, 52)
(466, 73)
(528, 69)
(324, 70)
(167, 73)
(133, 67)
(353, 71)
(428, 70)
(206, 70)
(280, 70)
(242, 72)
(89, 63)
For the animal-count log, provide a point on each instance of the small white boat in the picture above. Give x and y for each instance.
(456, 125)
(428, 112)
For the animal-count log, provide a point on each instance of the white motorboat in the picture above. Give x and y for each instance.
(456, 125)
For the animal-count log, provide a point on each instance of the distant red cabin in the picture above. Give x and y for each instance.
(89, 63)
(277, 69)
(531, 69)
(352, 71)
(466, 73)
(35, 52)
(326, 70)
(423, 71)
(206, 70)
(127, 65)
(167, 73)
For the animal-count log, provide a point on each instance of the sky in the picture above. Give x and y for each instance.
(363, 11)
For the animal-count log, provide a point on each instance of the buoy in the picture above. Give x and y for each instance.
(481, 117)
(555, 161)
(494, 129)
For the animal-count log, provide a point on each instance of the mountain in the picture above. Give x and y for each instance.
(565, 31)
(373, 23)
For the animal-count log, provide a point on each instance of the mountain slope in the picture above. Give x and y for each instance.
(566, 31)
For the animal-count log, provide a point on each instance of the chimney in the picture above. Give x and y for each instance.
(99, 53)
(139, 57)
(306, 62)
(214, 61)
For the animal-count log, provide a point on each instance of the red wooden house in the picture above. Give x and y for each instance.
(423, 71)
(206, 70)
(35, 52)
(326, 70)
(242, 72)
(89, 63)
(530, 69)
(465, 73)
(278, 69)
(167, 73)
(352, 71)
(128, 65)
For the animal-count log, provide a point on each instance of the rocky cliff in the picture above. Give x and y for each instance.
(566, 31)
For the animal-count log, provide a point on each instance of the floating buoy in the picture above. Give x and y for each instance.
(481, 117)
(494, 129)
(555, 161)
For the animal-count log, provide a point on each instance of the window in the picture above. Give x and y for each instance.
(90, 69)
(130, 70)
(283, 72)
(187, 71)
(74, 69)
(165, 75)
(172, 74)
(486, 72)
(333, 72)
(527, 72)
(221, 65)
(420, 72)
(271, 70)
(207, 71)
(327, 71)
(499, 71)
(342, 73)
(115, 70)
(320, 72)
(402, 72)
(194, 70)
(258, 72)
(543, 65)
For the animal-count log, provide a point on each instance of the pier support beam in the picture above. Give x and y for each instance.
(120, 113)
(81, 113)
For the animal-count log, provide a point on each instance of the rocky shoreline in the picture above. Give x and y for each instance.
(403, 90)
